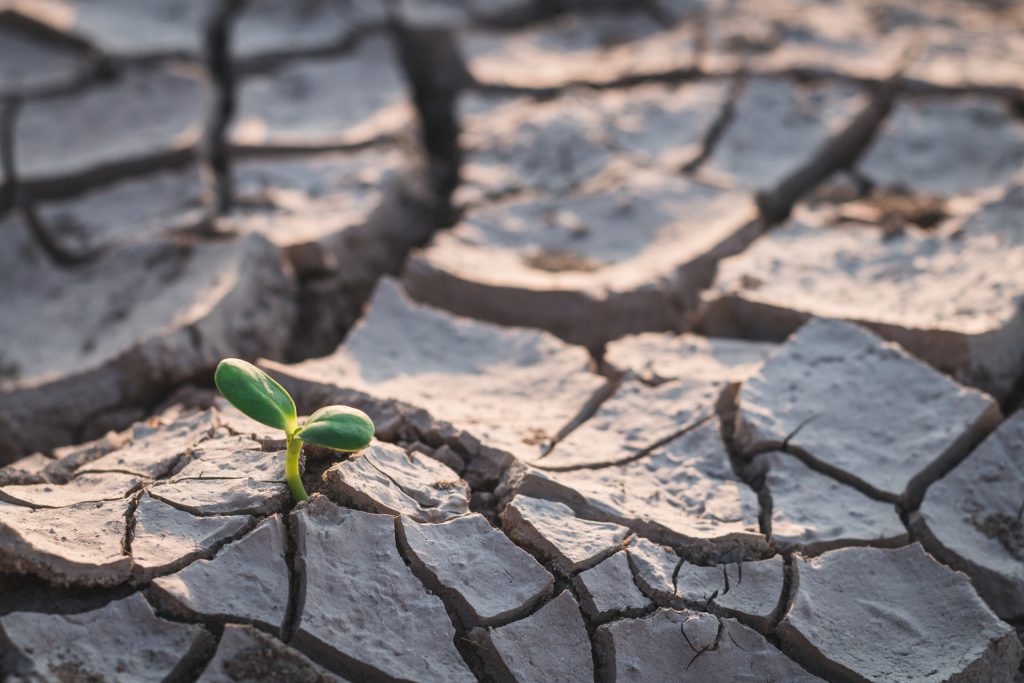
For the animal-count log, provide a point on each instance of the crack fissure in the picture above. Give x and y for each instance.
(252, 512)
(838, 474)
(591, 626)
(296, 579)
(216, 153)
(194, 663)
(465, 646)
(436, 73)
(790, 585)
(9, 189)
(718, 127)
(207, 553)
(589, 409)
(130, 519)
(675, 578)
(642, 453)
(837, 153)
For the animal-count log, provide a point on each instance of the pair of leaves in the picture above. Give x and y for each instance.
(258, 396)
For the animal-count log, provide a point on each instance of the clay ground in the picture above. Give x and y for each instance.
(692, 330)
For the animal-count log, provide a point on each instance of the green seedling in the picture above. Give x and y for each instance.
(258, 396)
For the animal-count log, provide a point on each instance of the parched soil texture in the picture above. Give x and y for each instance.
(692, 331)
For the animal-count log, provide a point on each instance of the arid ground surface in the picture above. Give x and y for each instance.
(692, 330)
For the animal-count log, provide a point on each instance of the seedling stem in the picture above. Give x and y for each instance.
(291, 469)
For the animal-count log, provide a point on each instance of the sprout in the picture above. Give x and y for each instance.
(258, 396)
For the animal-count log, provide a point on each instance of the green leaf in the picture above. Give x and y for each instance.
(256, 394)
(338, 427)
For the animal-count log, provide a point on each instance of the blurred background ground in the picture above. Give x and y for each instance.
(184, 181)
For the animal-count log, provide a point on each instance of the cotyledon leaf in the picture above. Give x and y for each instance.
(256, 394)
(339, 427)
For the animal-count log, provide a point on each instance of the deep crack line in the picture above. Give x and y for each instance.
(464, 645)
(296, 580)
(840, 151)
(436, 74)
(57, 255)
(208, 553)
(718, 127)
(789, 437)
(411, 493)
(590, 624)
(642, 453)
(593, 404)
(8, 115)
(790, 586)
(254, 511)
(817, 464)
(130, 520)
(217, 56)
(839, 475)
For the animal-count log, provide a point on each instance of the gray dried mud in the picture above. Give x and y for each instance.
(690, 330)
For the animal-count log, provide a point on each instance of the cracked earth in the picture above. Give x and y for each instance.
(692, 331)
